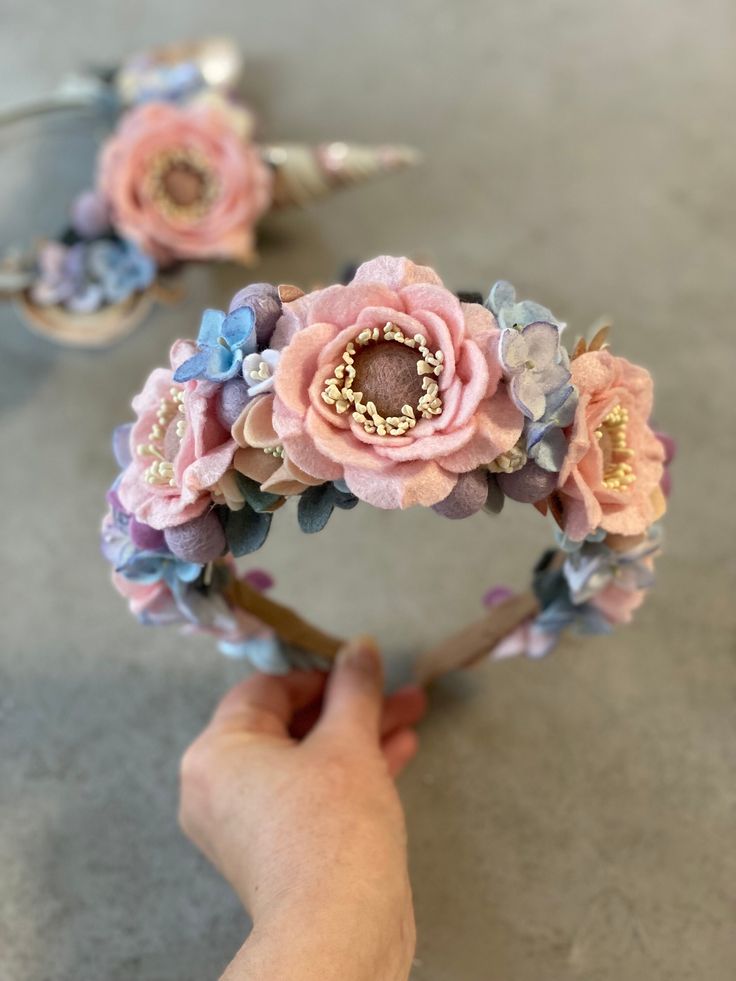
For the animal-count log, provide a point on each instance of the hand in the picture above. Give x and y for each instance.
(289, 793)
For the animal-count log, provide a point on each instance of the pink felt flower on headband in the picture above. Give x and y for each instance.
(178, 446)
(611, 474)
(184, 182)
(391, 384)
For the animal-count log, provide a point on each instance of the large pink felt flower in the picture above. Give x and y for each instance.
(179, 448)
(184, 183)
(611, 474)
(391, 384)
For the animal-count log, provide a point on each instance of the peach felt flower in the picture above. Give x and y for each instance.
(178, 446)
(391, 384)
(261, 457)
(183, 182)
(611, 474)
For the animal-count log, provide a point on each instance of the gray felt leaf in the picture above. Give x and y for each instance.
(495, 500)
(259, 500)
(315, 507)
(246, 530)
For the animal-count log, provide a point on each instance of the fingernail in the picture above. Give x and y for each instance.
(360, 654)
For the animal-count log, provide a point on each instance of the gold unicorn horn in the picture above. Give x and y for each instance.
(304, 173)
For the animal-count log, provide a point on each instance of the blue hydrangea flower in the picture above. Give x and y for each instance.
(535, 364)
(509, 313)
(545, 441)
(223, 342)
(594, 566)
(120, 268)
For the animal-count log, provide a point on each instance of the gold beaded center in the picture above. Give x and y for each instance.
(182, 184)
(338, 388)
(618, 473)
(161, 469)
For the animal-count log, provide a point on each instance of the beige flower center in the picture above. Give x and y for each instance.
(164, 439)
(618, 473)
(182, 184)
(387, 379)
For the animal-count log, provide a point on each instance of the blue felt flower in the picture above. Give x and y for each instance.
(121, 268)
(223, 342)
(545, 441)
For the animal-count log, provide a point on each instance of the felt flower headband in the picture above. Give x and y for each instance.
(391, 391)
(180, 179)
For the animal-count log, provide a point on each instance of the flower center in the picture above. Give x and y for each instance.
(617, 471)
(182, 183)
(164, 439)
(388, 379)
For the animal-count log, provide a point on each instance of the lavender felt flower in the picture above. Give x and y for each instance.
(63, 279)
(535, 364)
(259, 369)
(223, 342)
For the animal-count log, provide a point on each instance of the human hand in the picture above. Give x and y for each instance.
(289, 793)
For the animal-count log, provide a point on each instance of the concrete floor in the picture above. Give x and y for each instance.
(572, 818)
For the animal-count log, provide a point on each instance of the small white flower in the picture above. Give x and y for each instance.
(259, 369)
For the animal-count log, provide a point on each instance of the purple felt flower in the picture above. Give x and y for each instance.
(535, 364)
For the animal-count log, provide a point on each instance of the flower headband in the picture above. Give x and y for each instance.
(394, 392)
(179, 180)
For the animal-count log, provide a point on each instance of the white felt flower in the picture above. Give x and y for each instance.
(259, 369)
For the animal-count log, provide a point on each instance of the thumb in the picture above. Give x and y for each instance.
(354, 697)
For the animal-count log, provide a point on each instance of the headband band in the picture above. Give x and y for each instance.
(394, 392)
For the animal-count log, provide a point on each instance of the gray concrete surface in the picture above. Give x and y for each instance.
(568, 819)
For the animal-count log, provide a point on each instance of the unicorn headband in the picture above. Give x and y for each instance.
(180, 179)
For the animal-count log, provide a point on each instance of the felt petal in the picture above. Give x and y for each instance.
(300, 448)
(550, 451)
(341, 305)
(298, 365)
(527, 395)
(502, 294)
(210, 327)
(254, 425)
(121, 444)
(405, 485)
(513, 349)
(395, 272)
(542, 342)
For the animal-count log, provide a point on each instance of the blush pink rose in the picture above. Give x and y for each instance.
(179, 448)
(618, 605)
(183, 183)
(605, 382)
(478, 420)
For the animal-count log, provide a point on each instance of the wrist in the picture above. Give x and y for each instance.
(328, 941)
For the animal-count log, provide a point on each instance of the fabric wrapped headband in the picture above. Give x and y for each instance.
(180, 179)
(392, 391)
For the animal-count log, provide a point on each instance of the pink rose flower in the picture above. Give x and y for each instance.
(183, 183)
(611, 475)
(178, 446)
(426, 404)
(618, 605)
